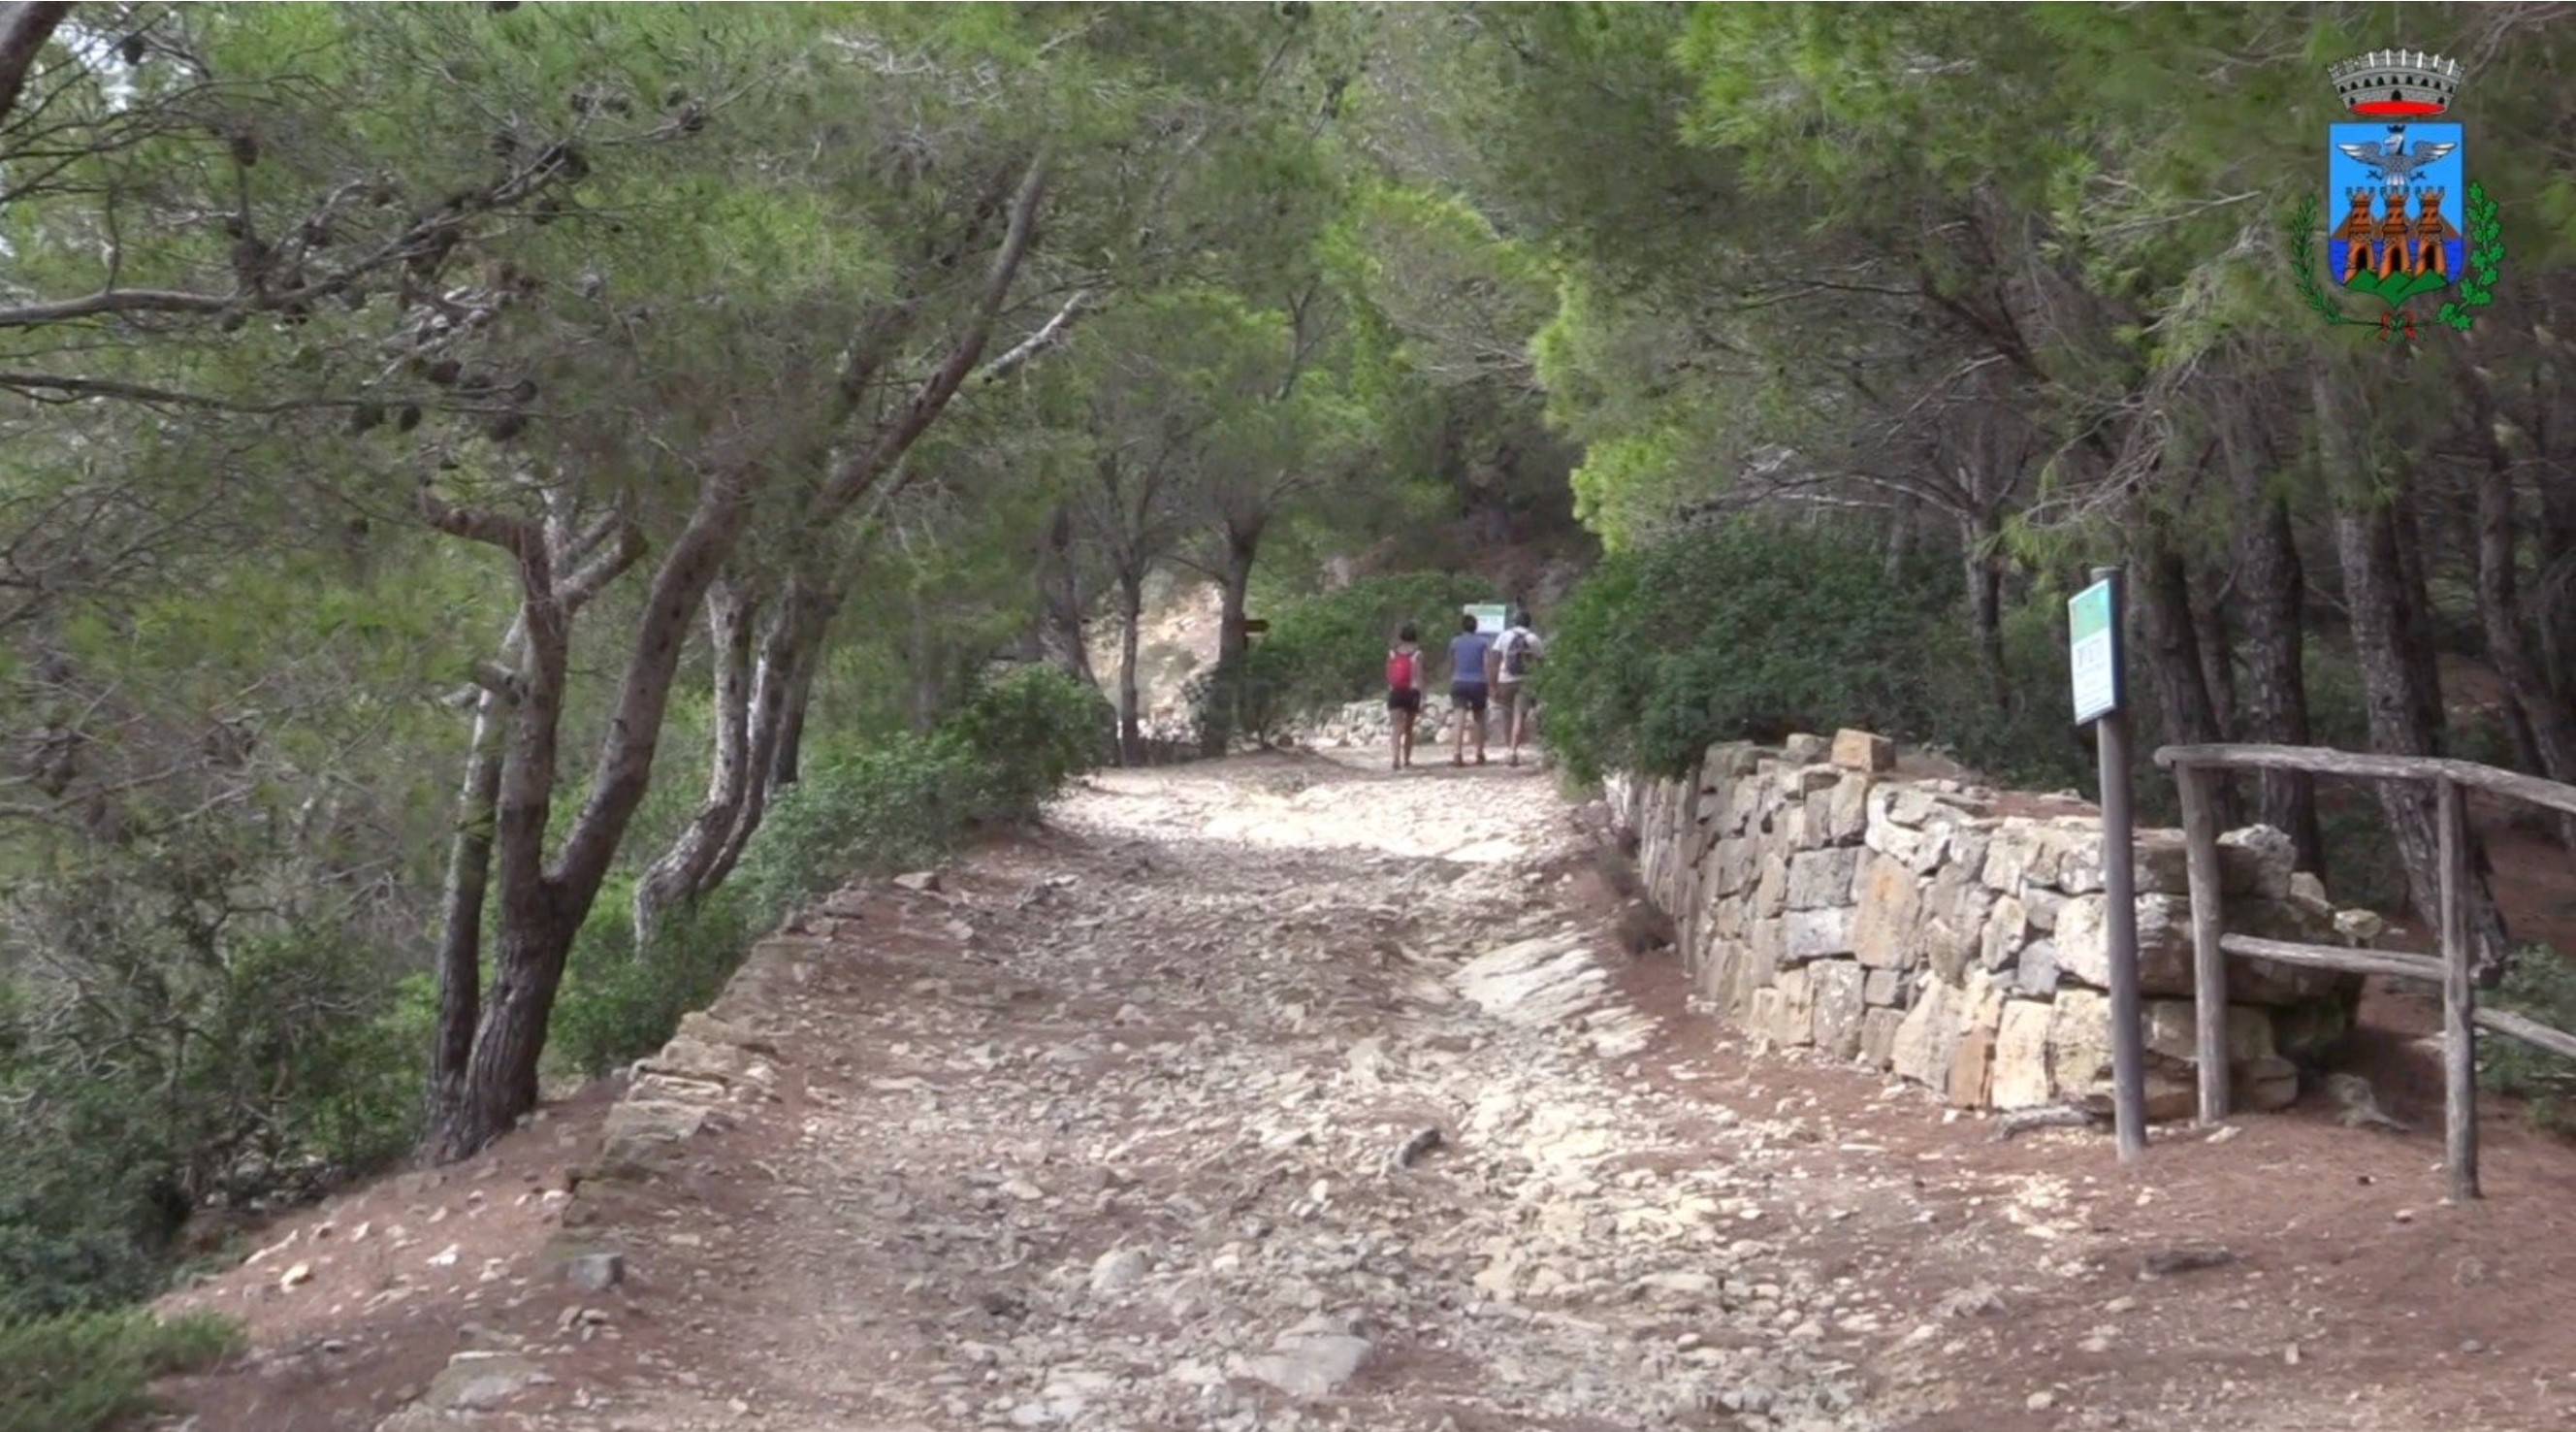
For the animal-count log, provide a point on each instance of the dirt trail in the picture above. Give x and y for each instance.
(1288, 1093)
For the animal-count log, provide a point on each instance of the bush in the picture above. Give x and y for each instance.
(898, 804)
(1027, 731)
(1745, 631)
(1327, 650)
(86, 1372)
(2035, 744)
(2542, 984)
(617, 1007)
(260, 1068)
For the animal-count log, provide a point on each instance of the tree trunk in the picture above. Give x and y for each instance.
(681, 871)
(2218, 660)
(1131, 615)
(501, 1068)
(1982, 540)
(541, 909)
(2274, 698)
(2173, 651)
(2554, 597)
(2173, 647)
(23, 31)
(2369, 540)
(2415, 613)
(469, 869)
(924, 665)
(2530, 696)
(791, 657)
(501, 1077)
(1232, 641)
(1060, 600)
(786, 764)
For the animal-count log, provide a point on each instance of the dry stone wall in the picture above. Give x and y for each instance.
(1823, 900)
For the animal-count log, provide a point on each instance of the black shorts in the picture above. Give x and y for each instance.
(1408, 699)
(1466, 697)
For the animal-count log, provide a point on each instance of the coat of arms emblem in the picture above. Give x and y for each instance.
(2408, 224)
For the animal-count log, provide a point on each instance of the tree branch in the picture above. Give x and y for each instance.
(604, 565)
(1047, 336)
(24, 28)
(34, 387)
(854, 476)
(108, 301)
(514, 535)
(500, 680)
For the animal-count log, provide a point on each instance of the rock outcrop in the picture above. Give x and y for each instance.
(1823, 900)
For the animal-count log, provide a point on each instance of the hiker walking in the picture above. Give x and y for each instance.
(1471, 659)
(1516, 654)
(1403, 693)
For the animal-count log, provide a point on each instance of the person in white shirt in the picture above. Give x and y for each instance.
(1516, 656)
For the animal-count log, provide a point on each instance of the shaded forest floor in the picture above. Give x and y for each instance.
(1111, 1131)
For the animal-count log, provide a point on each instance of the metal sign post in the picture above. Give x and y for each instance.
(2094, 626)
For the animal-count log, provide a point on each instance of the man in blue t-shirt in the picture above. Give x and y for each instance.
(1470, 678)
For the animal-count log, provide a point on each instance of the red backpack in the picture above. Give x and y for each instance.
(1399, 670)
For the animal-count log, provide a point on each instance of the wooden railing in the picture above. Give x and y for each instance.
(2198, 767)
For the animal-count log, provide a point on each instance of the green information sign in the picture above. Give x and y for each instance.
(1490, 616)
(2091, 653)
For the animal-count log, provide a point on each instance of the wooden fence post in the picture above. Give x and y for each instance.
(2459, 1028)
(2208, 925)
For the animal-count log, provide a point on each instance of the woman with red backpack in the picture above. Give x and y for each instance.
(1403, 694)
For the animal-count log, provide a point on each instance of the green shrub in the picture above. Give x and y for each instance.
(1329, 649)
(262, 1066)
(902, 802)
(617, 1006)
(2033, 744)
(86, 1372)
(2540, 983)
(1027, 731)
(1747, 630)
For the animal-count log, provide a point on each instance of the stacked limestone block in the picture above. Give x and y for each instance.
(1823, 901)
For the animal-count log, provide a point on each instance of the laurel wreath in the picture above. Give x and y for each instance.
(2486, 251)
(2476, 288)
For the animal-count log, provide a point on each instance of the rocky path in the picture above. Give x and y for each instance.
(1280, 1096)
(1287, 1093)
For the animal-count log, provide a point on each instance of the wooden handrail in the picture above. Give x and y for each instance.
(2528, 1030)
(2326, 761)
(2196, 766)
(2396, 964)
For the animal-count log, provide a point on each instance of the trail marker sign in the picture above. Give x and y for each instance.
(2093, 652)
(1490, 616)
(2093, 621)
